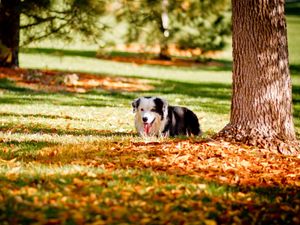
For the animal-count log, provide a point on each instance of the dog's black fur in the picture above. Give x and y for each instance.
(181, 121)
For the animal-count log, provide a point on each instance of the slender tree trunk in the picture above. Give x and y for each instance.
(9, 32)
(164, 27)
(261, 107)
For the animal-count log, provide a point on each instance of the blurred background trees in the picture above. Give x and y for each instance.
(186, 24)
(61, 19)
(41, 19)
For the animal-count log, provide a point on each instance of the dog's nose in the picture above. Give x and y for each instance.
(145, 119)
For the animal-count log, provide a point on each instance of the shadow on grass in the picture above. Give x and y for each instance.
(216, 91)
(60, 52)
(7, 84)
(295, 69)
(22, 148)
(296, 107)
(296, 94)
(292, 8)
(44, 129)
(33, 115)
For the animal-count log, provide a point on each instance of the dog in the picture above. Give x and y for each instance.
(155, 117)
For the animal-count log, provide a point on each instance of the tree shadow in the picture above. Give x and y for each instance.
(60, 131)
(216, 91)
(22, 148)
(29, 150)
(60, 52)
(9, 85)
(295, 69)
(292, 8)
(34, 115)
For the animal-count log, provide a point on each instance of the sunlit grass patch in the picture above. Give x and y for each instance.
(94, 112)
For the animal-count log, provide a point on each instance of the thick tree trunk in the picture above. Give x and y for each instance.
(261, 109)
(9, 32)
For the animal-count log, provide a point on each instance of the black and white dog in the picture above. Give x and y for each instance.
(154, 117)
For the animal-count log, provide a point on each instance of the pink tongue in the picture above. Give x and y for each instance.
(147, 128)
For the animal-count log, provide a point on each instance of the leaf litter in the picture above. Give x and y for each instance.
(165, 182)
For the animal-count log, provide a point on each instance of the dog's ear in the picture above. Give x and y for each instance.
(162, 106)
(135, 104)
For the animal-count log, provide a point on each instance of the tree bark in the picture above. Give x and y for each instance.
(9, 32)
(261, 107)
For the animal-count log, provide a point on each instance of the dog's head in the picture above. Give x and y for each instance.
(149, 111)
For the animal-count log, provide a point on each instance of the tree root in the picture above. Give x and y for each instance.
(255, 138)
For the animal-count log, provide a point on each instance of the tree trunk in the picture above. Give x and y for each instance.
(9, 32)
(164, 27)
(164, 53)
(261, 107)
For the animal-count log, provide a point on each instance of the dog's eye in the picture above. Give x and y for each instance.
(152, 110)
(142, 109)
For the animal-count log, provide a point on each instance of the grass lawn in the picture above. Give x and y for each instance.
(74, 158)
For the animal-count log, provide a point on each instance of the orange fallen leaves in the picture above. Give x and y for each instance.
(53, 81)
(213, 160)
(232, 164)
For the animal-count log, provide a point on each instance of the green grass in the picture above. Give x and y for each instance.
(66, 158)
